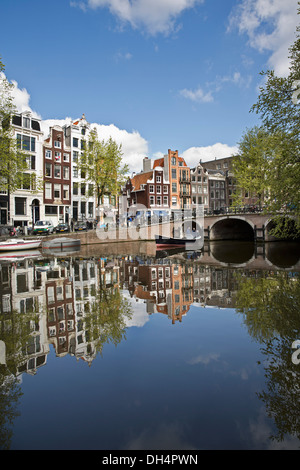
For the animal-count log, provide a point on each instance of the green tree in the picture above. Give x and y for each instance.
(270, 308)
(101, 165)
(278, 153)
(252, 164)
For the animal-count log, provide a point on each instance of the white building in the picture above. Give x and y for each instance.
(83, 198)
(26, 203)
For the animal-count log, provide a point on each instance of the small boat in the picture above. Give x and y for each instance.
(14, 256)
(164, 242)
(17, 244)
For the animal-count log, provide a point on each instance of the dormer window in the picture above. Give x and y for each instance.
(26, 122)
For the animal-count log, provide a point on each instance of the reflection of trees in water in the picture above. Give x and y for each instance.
(271, 307)
(105, 318)
(16, 333)
(10, 394)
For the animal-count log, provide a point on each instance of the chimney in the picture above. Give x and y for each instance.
(147, 164)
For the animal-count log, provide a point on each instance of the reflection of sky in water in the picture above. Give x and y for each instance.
(189, 385)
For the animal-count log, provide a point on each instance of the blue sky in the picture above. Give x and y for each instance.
(154, 74)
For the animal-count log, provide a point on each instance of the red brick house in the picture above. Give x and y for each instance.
(57, 177)
(150, 189)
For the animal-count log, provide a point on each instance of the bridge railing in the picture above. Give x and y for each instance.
(228, 210)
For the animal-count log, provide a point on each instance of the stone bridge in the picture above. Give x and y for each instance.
(248, 226)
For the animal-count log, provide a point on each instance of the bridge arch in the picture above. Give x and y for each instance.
(232, 228)
(290, 228)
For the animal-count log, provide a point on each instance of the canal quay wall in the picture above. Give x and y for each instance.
(250, 227)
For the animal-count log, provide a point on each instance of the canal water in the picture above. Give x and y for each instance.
(172, 350)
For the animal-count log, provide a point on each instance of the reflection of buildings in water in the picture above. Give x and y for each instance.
(62, 291)
(165, 287)
(60, 307)
(22, 292)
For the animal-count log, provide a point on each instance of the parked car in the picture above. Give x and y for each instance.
(79, 226)
(62, 228)
(43, 227)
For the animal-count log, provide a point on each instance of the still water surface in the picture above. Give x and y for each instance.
(176, 351)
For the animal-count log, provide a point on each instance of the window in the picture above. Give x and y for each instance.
(66, 192)
(91, 209)
(48, 153)
(165, 189)
(30, 160)
(48, 170)
(66, 157)
(90, 190)
(158, 179)
(75, 142)
(75, 172)
(57, 191)
(173, 161)
(51, 210)
(158, 200)
(66, 172)
(151, 200)
(158, 189)
(174, 173)
(174, 188)
(26, 142)
(20, 205)
(48, 190)
(75, 189)
(57, 156)
(26, 122)
(151, 188)
(75, 156)
(165, 200)
(57, 171)
(57, 144)
(82, 208)
(174, 201)
(82, 189)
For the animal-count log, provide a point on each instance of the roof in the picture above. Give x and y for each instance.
(160, 162)
(140, 179)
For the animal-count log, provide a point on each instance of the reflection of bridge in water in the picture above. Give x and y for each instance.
(248, 255)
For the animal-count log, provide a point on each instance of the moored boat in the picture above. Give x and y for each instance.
(17, 244)
(164, 242)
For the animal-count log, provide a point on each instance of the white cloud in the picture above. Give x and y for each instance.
(134, 146)
(270, 26)
(193, 155)
(198, 95)
(154, 16)
(21, 97)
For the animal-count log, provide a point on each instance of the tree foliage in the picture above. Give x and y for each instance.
(101, 165)
(274, 147)
(13, 162)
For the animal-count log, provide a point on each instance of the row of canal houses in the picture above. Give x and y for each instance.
(65, 196)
